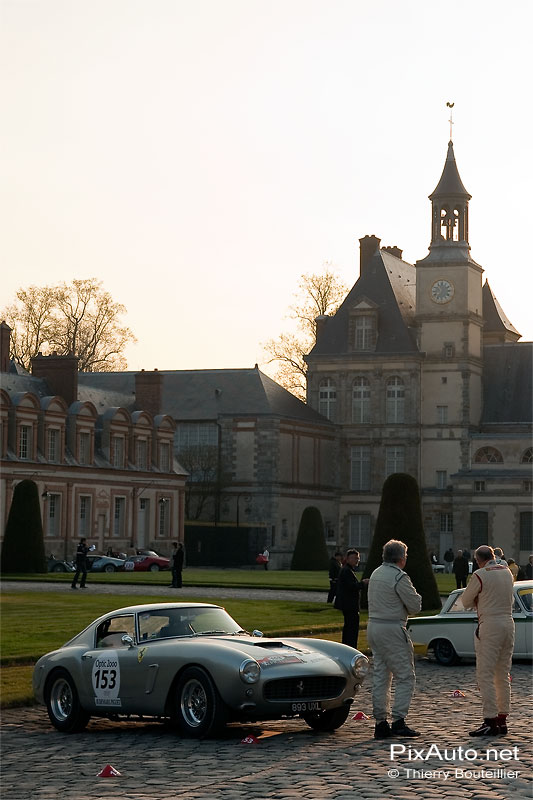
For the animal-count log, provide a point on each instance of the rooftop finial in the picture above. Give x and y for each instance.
(450, 106)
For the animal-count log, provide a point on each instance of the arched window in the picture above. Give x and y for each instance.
(527, 456)
(395, 400)
(327, 399)
(361, 400)
(488, 455)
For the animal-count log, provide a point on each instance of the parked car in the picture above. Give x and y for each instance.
(99, 563)
(152, 563)
(60, 565)
(450, 633)
(193, 664)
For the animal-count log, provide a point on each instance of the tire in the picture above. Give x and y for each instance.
(109, 568)
(444, 652)
(63, 704)
(199, 709)
(154, 567)
(328, 720)
(58, 568)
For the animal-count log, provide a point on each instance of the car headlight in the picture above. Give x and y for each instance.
(249, 671)
(359, 665)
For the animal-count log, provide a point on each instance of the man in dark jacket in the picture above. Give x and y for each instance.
(177, 565)
(81, 564)
(347, 601)
(460, 569)
(335, 564)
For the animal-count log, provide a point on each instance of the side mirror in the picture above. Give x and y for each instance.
(257, 633)
(126, 639)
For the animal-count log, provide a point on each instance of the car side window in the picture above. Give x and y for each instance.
(110, 632)
(526, 596)
(457, 606)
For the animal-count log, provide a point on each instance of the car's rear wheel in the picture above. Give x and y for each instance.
(63, 704)
(328, 720)
(58, 568)
(199, 708)
(154, 567)
(109, 568)
(445, 653)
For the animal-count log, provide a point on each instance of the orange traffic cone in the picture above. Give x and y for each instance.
(109, 772)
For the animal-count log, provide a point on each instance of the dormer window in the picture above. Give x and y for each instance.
(365, 332)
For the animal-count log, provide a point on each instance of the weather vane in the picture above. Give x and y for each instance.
(450, 106)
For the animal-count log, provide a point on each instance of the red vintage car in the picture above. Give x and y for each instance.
(146, 561)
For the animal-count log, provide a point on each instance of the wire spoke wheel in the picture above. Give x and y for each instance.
(194, 703)
(198, 706)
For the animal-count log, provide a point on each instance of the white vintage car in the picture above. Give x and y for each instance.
(450, 633)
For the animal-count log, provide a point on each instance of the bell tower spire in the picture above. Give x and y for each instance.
(449, 202)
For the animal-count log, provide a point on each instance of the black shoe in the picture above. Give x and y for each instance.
(73, 587)
(382, 730)
(488, 727)
(502, 724)
(399, 728)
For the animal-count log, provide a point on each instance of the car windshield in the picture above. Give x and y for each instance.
(170, 622)
(526, 597)
(457, 606)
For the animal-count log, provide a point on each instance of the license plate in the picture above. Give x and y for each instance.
(299, 707)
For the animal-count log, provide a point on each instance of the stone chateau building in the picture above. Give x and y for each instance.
(419, 371)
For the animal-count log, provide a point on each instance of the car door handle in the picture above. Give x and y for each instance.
(86, 657)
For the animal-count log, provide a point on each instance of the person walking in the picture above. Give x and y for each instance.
(347, 600)
(448, 560)
(490, 592)
(335, 564)
(177, 565)
(391, 597)
(266, 557)
(460, 569)
(81, 564)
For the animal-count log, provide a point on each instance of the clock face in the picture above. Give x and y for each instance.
(442, 291)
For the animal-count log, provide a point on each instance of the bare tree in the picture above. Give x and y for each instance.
(79, 318)
(318, 294)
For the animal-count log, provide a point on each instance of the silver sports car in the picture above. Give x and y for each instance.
(192, 664)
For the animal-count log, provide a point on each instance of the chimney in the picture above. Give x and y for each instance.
(5, 346)
(60, 373)
(149, 391)
(394, 251)
(368, 247)
(320, 325)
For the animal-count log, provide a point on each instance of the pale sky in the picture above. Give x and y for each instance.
(198, 156)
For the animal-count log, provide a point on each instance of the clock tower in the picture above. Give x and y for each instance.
(449, 317)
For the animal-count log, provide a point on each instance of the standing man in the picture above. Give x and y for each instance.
(347, 600)
(81, 564)
(266, 556)
(460, 569)
(490, 592)
(529, 568)
(391, 597)
(335, 564)
(177, 565)
(448, 560)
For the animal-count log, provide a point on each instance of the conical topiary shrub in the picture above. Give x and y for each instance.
(23, 545)
(310, 551)
(400, 517)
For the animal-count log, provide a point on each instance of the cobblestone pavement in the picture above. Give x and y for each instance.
(289, 760)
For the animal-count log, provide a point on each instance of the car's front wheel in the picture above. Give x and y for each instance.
(444, 652)
(109, 568)
(63, 704)
(154, 567)
(199, 708)
(328, 720)
(58, 568)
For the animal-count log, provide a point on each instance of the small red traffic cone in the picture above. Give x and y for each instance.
(250, 740)
(109, 772)
(458, 693)
(360, 715)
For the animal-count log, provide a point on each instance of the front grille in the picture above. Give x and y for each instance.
(320, 687)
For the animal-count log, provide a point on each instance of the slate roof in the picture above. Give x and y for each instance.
(390, 283)
(450, 183)
(493, 314)
(507, 383)
(202, 394)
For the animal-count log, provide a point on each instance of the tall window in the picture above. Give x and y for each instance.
(361, 400)
(365, 332)
(488, 455)
(85, 448)
(446, 522)
(119, 516)
(53, 444)
(359, 534)
(395, 400)
(395, 459)
(53, 515)
(360, 468)
(164, 517)
(442, 415)
(84, 523)
(479, 529)
(526, 531)
(442, 479)
(141, 454)
(327, 399)
(164, 456)
(25, 441)
(118, 451)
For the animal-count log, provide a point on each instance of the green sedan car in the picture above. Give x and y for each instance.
(192, 664)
